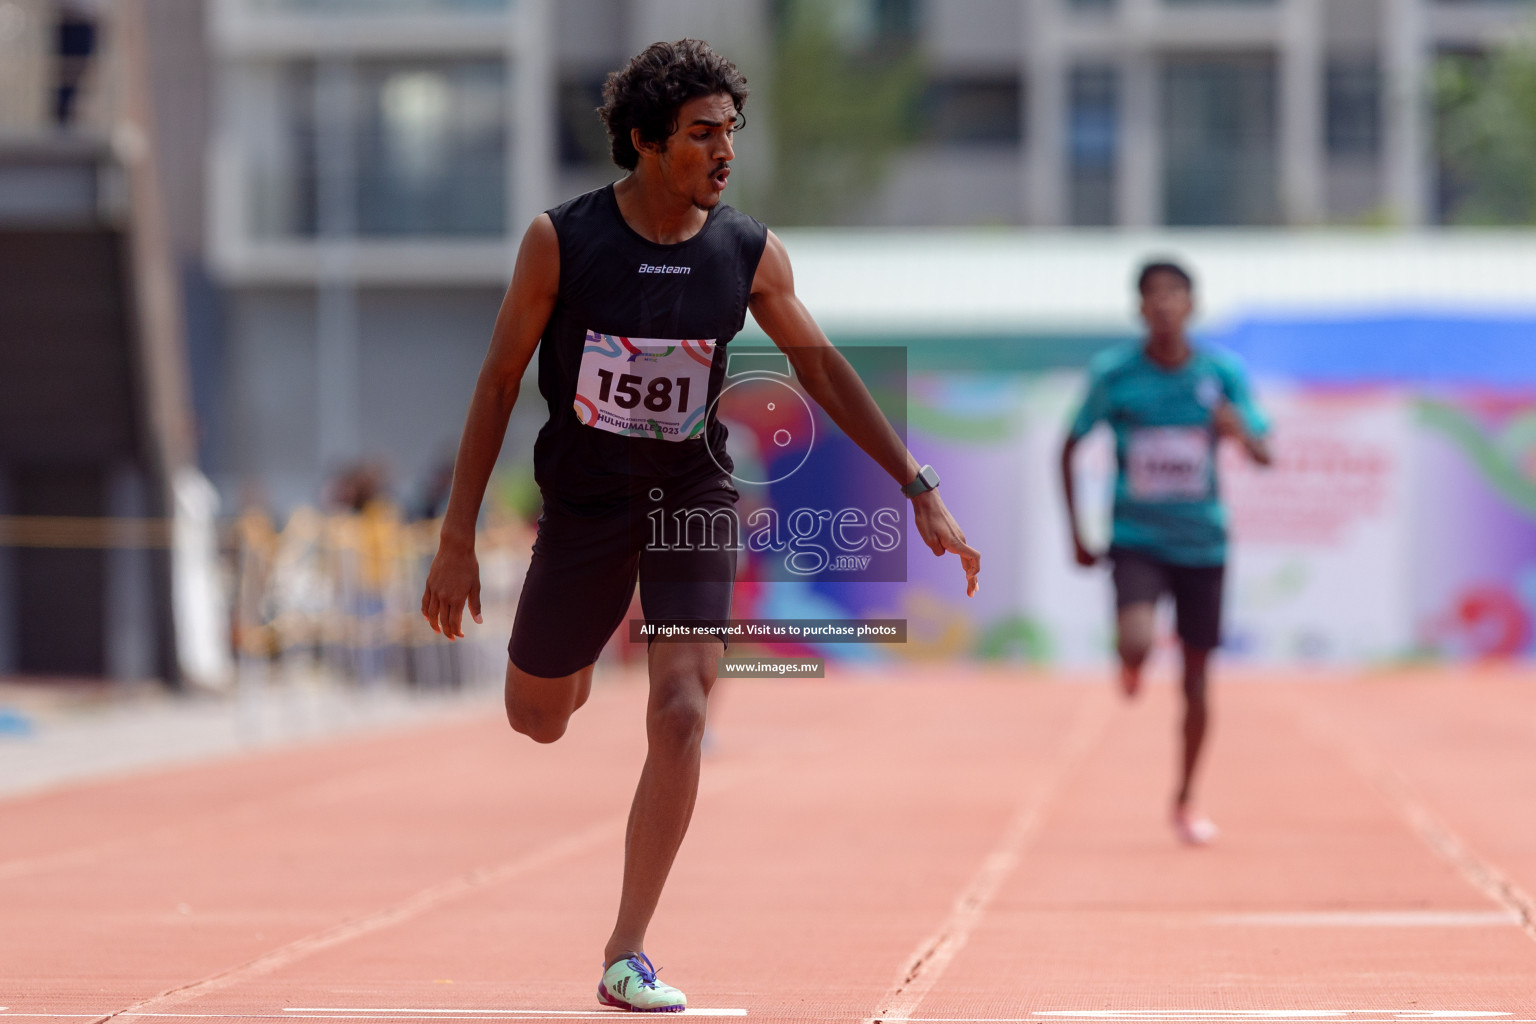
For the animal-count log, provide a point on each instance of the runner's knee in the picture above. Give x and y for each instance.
(1134, 628)
(538, 725)
(676, 720)
(540, 708)
(1133, 642)
(1133, 650)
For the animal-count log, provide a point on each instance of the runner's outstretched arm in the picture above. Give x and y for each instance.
(829, 379)
(455, 574)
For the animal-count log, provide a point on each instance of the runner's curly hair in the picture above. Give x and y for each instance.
(647, 92)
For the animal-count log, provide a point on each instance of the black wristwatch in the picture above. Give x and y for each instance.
(926, 480)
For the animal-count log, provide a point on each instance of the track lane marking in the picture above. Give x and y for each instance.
(934, 954)
(1171, 1014)
(430, 898)
(1442, 840)
(1038, 1017)
(420, 1015)
(1372, 919)
(376, 1011)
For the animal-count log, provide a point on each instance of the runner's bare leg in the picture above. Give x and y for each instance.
(682, 675)
(1196, 718)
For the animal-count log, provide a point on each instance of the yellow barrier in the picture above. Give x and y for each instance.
(345, 590)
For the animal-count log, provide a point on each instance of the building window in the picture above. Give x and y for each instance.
(381, 6)
(858, 26)
(410, 147)
(973, 110)
(582, 139)
(432, 149)
(1219, 141)
(1093, 130)
(895, 21)
(1354, 108)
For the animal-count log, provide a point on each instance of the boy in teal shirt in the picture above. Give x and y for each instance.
(1169, 404)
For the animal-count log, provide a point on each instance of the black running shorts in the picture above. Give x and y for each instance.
(1196, 589)
(681, 545)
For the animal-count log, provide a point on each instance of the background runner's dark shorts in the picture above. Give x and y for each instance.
(585, 562)
(1196, 590)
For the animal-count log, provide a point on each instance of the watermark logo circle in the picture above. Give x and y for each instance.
(762, 404)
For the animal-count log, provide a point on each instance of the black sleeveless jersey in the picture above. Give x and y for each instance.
(616, 285)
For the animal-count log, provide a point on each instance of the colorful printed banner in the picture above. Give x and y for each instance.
(1395, 524)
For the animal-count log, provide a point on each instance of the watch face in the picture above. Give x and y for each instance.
(926, 480)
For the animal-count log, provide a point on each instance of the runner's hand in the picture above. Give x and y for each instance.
(453, 579)
(1085, 558)
(1228, 423)
(941, 533)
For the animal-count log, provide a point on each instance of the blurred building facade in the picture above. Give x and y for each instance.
(371, 164)
(1148, 113)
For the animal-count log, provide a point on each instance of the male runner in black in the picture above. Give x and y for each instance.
(1169, 403)
(630, 294)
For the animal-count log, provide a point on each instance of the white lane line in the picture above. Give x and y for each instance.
(1112, 1017)
(556, 852)
(933, 955)
(1478, 872)
(1375, 919)
(369, 1014)
(1326, 1017)
(435, 1015)
(375, 1011)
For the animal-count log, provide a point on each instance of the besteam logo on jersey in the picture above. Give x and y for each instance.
(664, 268)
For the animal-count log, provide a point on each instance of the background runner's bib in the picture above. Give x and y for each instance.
(1168, 463)
(644, 387)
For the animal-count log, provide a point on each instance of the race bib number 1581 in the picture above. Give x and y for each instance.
(644, 387)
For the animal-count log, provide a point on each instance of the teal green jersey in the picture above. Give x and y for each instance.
(1167, 503)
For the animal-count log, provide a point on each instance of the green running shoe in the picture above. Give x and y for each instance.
(630, 984)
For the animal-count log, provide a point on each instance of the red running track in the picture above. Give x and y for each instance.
(961, 847)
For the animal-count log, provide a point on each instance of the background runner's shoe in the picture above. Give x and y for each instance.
(1193, 828)
(630, 984)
